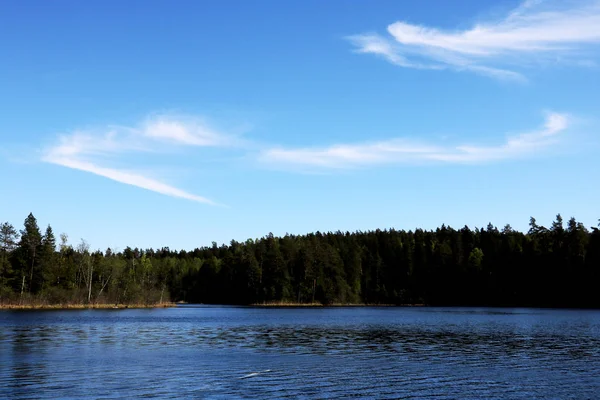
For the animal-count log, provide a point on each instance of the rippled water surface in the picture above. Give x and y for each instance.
(239, 352)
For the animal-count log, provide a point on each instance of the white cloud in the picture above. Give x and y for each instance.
(536, 31)
(185, 132)
(405, 151)
(90, 151)
(128, 178)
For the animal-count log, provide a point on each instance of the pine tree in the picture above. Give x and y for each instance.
(47, 259)
(29, 247)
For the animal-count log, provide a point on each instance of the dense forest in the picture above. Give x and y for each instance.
(551, 267)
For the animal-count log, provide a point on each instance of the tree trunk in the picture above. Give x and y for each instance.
(22, 287)
(31, 273)
(90, 283)
(102, 288)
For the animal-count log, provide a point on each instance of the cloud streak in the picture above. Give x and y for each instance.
(400, 150)
(129, 178)
(90, 151)
(536, 31)
(97, 152)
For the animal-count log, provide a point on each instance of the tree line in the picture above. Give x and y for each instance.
(549, 267)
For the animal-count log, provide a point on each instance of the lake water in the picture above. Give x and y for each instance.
(243, 352)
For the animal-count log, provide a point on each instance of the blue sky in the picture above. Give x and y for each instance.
(155, 123)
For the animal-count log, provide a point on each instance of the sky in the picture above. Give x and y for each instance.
(175, 124)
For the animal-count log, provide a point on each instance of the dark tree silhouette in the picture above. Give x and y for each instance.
(555, 267)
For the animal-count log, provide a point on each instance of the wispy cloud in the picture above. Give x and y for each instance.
(406, 151)
(104, 152)
(536, 31)
(185, 131)
(91, 151)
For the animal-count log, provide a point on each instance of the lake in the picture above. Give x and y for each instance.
(245, 352)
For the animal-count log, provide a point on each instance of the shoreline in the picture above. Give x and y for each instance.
(100, 306)
(291, 304)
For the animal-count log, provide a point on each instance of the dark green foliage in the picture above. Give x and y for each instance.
(556, 267)
(8, 243)
(28, 254)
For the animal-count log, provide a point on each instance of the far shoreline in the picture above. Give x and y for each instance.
(275, 304)
(332, 305)
(100, 306)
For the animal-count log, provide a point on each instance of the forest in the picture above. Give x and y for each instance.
(545, 267)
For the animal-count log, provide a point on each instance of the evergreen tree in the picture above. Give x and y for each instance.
(29, 247)
(47, 264)
(8, 243)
